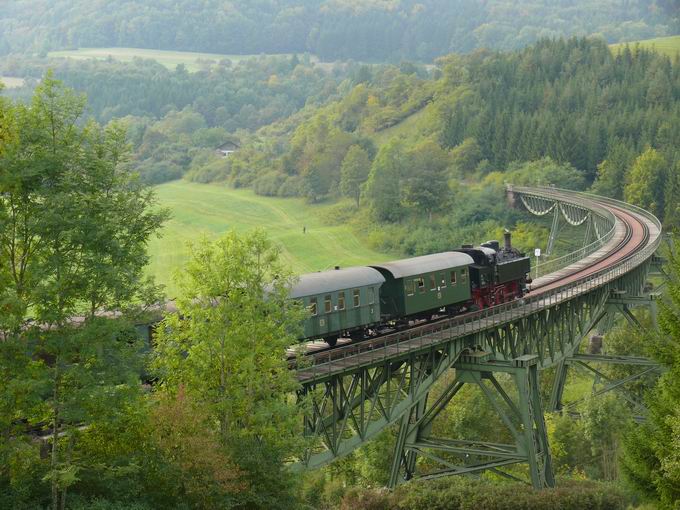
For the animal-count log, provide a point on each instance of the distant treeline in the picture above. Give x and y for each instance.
(337, 29)
(246, 94)
(176, 120)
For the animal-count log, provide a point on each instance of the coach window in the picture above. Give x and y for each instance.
(433, 282)
(341, 301)
(409, 287)
(463, 274)
(442, 277)
(453, 278)
(371, 295)
(312, 306)
(327, 303)
(421, 285)
(357, 297)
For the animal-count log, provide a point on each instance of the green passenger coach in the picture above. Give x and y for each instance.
(340, 302)
(425, 284)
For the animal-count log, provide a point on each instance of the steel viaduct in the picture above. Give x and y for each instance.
(406, 379)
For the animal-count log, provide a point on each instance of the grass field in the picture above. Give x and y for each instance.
(199, 209)
(410, 127)
(12, 82)
(667, 45)
(169, 59)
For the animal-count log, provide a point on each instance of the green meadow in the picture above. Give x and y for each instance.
(169, 59)
(667, 45)
(12, 82)
(211, 210)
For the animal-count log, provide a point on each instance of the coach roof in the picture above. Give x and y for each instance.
(426, 264)
(312, 284)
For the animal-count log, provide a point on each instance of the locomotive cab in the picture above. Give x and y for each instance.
(498, 274)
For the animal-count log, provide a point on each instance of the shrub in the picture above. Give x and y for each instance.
(467, 494)
(268, 184)
(293, 186)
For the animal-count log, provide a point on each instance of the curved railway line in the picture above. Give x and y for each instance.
(631, 233)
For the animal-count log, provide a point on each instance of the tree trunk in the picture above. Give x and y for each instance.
(71, 440)
(55, 436)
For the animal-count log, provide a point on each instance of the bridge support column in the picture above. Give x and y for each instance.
(591, 363)
(558, 386)
(523, 416)
(589, 230)
(603, 383)
(554, 232)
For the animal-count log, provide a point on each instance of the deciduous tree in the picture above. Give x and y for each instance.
(645, 182)
(427, 184)
(226, 346)
(354, 172)
(73, 231)
(384, 185)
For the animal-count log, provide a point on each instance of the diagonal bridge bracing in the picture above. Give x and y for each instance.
(357, 391)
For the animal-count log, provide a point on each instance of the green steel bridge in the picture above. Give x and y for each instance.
(357, 390)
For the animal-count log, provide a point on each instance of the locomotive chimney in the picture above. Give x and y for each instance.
(507, 236)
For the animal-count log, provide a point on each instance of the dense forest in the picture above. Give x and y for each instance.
(404, 142)
(246, 94)
(333, 29)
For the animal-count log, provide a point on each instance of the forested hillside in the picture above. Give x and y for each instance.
(331, 29)
(569, 113)
(176, 119)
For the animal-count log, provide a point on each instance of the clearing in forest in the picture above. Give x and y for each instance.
(12, 82)
(212, 209)
(667, 45)
(169, 59)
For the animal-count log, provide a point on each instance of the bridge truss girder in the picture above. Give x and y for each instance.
(590, 364)
(522, 416)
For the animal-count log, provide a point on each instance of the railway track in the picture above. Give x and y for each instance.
(633, 232)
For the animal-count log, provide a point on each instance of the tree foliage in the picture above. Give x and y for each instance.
(225, 347)
(645, 183)
(650, 460)
(368, 30)
(354, 172)
(384, 186)
(73, 231)
(427, 180)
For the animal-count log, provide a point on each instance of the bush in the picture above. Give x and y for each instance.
(293, 186)
(78, 503)
(268, 184)
(367, 499)
(459, 493)
(160, 172)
